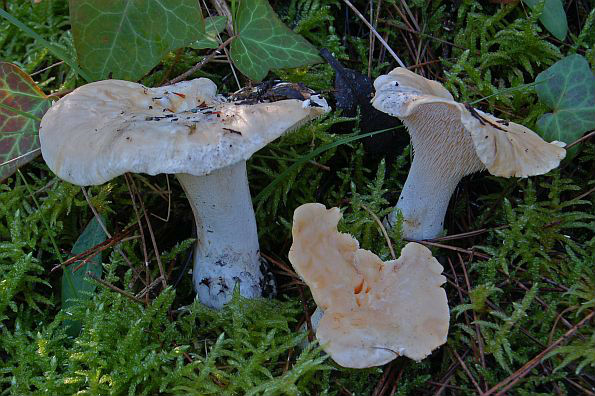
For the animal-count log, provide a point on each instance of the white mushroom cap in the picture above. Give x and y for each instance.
(374, 311)
(106, 128)
(433, 118)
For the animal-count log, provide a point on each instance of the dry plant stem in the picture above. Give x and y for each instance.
(223, 10)
(466, 234)
(146, 290)
(200, 64)
(462, 301)
(117, 248)
(388, 48)
(152, 235)
(114, 288)
(580, 140)
(473, 381)
(497, 308)
(166, 219)
(477, 331)
(591, 191)
(287, 270)
(527, 367)
(383, 230)
(140, 226)
(456, 249)
(227, 250)
(449, 373)
(46, 68)
(19, 157)
(308, 320)
(95, 250)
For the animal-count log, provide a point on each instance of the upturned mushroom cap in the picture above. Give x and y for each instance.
(104, 129)
(374, 311)
(437, 123)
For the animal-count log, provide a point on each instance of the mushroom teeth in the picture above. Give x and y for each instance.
(374, 311)
(505, 148)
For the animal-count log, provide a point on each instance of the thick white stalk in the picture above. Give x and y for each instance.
(424, 199)
(227, 250)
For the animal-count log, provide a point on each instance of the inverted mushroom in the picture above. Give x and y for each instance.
(452, 140)
(106, 128)
(374, 311)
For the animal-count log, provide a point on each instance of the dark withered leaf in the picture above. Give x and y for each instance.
(353, 90)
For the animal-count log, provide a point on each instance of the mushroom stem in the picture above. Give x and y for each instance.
(424, 199)
(227, 250)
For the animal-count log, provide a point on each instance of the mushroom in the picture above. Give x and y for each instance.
(374, 311)
(452, 140)
(106, 128)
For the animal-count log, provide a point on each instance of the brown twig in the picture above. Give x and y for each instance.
(382, 229)
(473, 381)
(46, 68)
(88, 255)
(510, 381)
(363, 18)
(580, 140)
(148, 289)
(223, 10)
(117, 248)
(142, 232)
(200, 64)
(286, 269)
(467, 234)
(456, 249)
(449, 373)
(583, 195)
(166, 219)
(114, 288)
(152, 235)
(477, 332)
(308, 318)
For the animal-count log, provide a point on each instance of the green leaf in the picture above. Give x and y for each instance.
(553, 17)
(126, 39)
(92, 236)
(54, 49)
(213, 27)
(568, 88)
(265, 43)
(22, 104)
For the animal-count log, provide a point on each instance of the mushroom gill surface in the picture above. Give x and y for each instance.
(451, 140)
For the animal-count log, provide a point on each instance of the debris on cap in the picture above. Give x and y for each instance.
(374, 311)
(106, 128)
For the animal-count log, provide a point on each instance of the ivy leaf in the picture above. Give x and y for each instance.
(80, 288)
(265, 43)
(568, 88)
(22, 104)
(553, 17)
(213, 27)
(125, 39)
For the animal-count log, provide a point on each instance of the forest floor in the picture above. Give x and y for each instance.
(518, 254)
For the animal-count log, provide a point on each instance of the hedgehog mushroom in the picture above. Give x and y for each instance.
(451, 140)
(106, 128)
(374, 311)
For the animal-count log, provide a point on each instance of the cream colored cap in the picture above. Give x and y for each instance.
(504, 148)
(374, 311)
(106, 128)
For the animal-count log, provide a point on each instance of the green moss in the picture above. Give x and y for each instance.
(529, 281)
